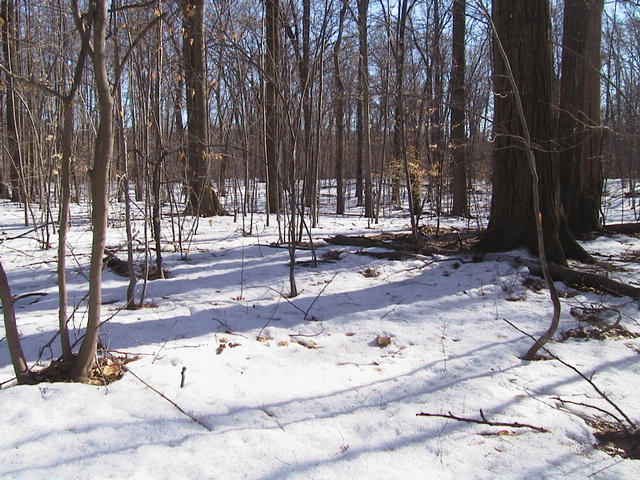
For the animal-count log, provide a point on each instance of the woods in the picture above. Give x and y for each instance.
(300, 233)
(198, 109)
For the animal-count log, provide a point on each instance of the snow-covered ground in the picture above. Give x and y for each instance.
(267, 406)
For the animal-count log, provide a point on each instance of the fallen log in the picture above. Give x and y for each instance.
(626, 228)
(404, 247)
(565, 274)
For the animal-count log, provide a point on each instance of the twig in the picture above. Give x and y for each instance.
(35, 229)
(483, 421)
(269, 320)
(307, 334)
(199, 422)
(581, 404)
(374, 364)
(587, 379)
(2, 384)
(55, 335)
(318, 296)
(126, 354)
(606, 468)
(305, 312)
(165, 342)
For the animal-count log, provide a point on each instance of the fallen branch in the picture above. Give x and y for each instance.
(603, 395)
(587, 405)
(373, 364)
(592, 280)
(180, 409)
(483, 421)
(626, 228)
(27, 295)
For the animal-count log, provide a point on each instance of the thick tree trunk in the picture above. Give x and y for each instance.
(523, 27)
(458, 138)
(579, 118)
(203, 200)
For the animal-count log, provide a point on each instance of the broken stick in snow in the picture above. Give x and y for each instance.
(482, 421)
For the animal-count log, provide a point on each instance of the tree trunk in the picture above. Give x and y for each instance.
(99, 177)
(363, 108)
(203, 200)
(579, 120)
(272, 14)
(399, 132)
(10, 50)
(458, 137)
(11, 331)
(523, 27)
(339, 113)
(160, 153)
(63, 222)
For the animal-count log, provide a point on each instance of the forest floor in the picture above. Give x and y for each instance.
(233, 379)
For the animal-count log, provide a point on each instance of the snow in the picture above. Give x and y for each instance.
(268, 407)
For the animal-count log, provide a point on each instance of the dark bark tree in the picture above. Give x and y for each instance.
(203, 200)
(10, 50)
(272, 25)
(523, 28)
(579, 117)
(458, 118)
(339, 111)
(364, 139)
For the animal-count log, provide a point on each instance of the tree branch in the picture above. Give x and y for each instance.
(483, 421)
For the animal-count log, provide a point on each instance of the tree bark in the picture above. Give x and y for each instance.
(339, 112)
(458, 120)
(203, 200)
(63, 222)
(523, 27)
(272, 127)
(99, 177)
(10, 50)
(23, 374)
(364, 138)
(579, 116)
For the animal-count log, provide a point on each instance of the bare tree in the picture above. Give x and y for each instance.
(10, 50)
(272, 26)
(458, 117)
(203, 200)
(339, 103)
(364, 139)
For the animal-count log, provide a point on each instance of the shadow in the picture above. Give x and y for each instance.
(263, 271)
